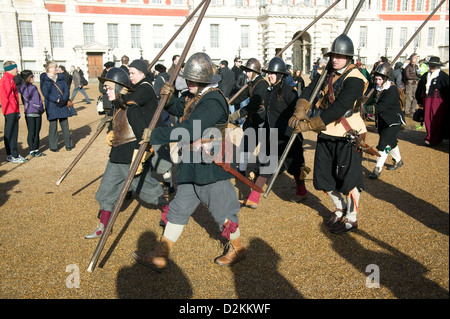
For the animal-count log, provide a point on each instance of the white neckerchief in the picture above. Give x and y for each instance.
(211, 85)
(385, 86)
(430, 77)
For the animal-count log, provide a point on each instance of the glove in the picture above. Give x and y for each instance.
(234, 116)
(146, 136)
(167, 89)
(106, 119)
(313, 124)
(145, 157)
(299, 114)
(110, 138)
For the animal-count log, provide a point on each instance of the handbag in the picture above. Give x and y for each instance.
(69, 101)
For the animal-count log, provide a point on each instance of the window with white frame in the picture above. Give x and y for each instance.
(417, 39)
(404, 5)
(363, 36)
(214, 35)
(388, 40)
(29, 65)
(177, 1)
(88, 33)
(26, 34)
(403, 35)
(113, 35)
(180, 39)
(431, 32)
(433, 4)
(390, 5)
(158, 36)
(239, 3)
(57, 34)
(419, 5)
(263, 2)
(136, 36)
(245, 36)
(157, 1)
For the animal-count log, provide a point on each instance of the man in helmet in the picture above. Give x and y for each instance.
(279, 103)
(203, 112)
(337, 163)
(128, 124)
(388, 118)
(253, 112)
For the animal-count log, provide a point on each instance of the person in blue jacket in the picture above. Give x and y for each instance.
(56, 94)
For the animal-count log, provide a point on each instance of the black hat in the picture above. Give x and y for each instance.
(25, 74)
(140, 65)
(109, 64)
(433, 61)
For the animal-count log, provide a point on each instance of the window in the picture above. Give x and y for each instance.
(430, 42)
(214, 35)
(88, 33)
(403, 34)
(390, 5)
(239, 3)
(158, 37)
(307, 2)
(263, 2)
(180, 39)
(245, 35)
(417, 39)
(446, 36)
(433, 4)
(57, 34)
(388, 42)
(177, 1)
(29, 65)
(157, 1)
(419, 5)
(26, 34)
(113, 35)
(404, 6)
(136, 36)
(363, 37)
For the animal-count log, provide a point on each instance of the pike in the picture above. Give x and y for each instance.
(143, 146)
(311, 100)
(298, 36)
(410, 40)
(105, 119)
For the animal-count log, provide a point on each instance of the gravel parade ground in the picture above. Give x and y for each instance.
(402, 242)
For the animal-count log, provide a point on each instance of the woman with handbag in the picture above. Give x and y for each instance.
(56, 93)
(34, 107)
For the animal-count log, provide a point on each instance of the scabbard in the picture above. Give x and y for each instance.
(368, 149)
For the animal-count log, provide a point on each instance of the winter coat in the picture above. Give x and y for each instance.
(159, 82)
(227, 82)
(9, 96)
(31, 99)
(54, 109)
(387, 106)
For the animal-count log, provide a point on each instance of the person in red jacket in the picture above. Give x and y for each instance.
(9, 99)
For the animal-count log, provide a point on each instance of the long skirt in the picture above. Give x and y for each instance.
(435, 114)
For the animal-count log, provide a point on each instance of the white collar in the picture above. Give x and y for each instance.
(211, 85)
(385, 86)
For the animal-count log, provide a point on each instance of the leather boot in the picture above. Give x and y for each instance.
(235, 253)
(157, 259)
(104, 217)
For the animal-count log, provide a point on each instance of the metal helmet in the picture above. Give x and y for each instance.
(252, 65)
(199, 68)
(276, 65)
(384, 69)
(119, 77)
(342, 45)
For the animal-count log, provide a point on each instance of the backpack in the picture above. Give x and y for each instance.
(401, 97)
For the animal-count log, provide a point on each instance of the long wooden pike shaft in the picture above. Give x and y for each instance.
(143, 146)
(311, 100)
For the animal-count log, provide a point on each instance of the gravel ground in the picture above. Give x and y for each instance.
(403, 234)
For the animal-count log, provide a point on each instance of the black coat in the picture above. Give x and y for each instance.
(387, 108)
(145, 96)
(439, 85)
(253, 110)
(227, 82)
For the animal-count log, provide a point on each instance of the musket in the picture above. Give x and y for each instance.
(311, 101)
(143, 145)
(410, 40)
(298, 36)
(99, 130)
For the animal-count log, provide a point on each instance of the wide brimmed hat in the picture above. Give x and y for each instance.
(433, 61)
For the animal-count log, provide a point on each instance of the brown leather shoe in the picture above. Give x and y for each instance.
(334, 218)
(235, 253)
(344, 226)
(157, 259)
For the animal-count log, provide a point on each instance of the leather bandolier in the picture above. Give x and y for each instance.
(123, 132)
(353, 118)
